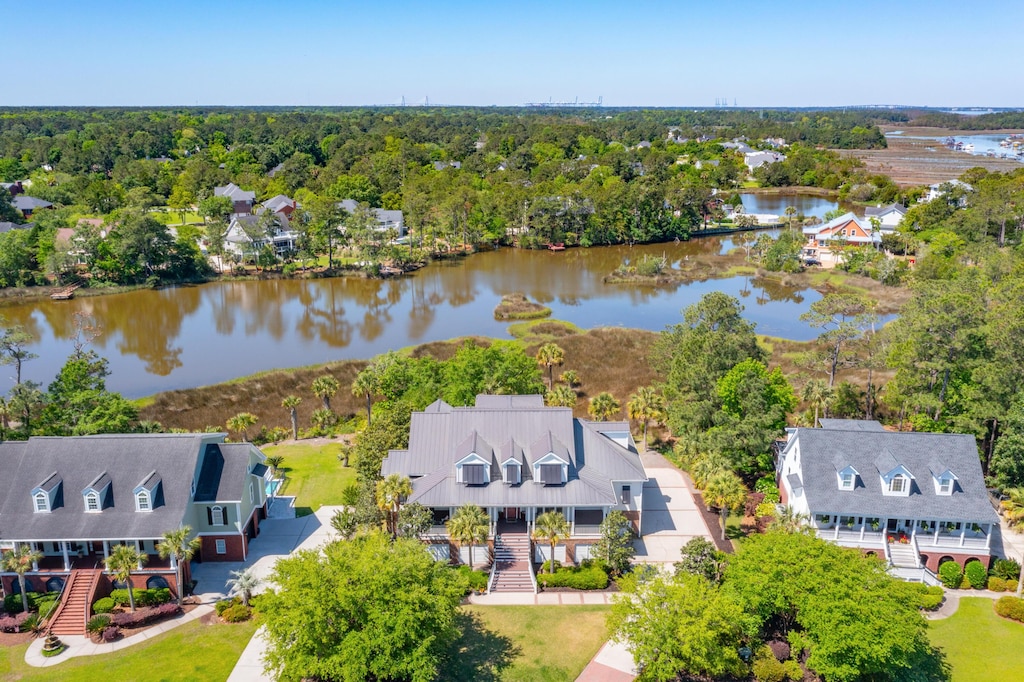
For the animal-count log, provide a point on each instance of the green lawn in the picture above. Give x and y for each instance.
(979, 645)
(313, 474)
(191, 652)
(526, 643)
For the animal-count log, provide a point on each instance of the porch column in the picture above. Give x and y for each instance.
(35, 564)
(572, 519)
(106, 550)
(913, 531)
(67, 559)
(862, 526)
(835, 533)
(988, 537)
(138, 548)
(935, 541)
(963, 533)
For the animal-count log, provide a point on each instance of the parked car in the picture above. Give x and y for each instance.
(811, 261)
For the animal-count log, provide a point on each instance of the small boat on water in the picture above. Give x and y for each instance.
(969, 148)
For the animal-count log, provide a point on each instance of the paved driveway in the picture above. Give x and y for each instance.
(670, 516)
(277, 538)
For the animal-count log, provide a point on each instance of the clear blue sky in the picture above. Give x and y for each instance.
(631, 52)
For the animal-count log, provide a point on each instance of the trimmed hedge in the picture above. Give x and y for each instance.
(104, 605)
(237, 613)
(1000, 585)
(144, 616)
(951, 574)
(12, 602)
(976, 574)
(929, 597)
(581, 578)
(153, 597)
(477, 580)
(1010, 607)
(225, 604)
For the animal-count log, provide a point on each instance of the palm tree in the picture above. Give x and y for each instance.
(549, 355)
(644, 405)
(390, 492)
(561, 396)
(182, 547)
(242, 422)
(122, 561)
(790, 521)
(469, 525)
(706, 466)
(791, 214)
(243, 583)
(553, 528)
(726, 492)
(275, 462)
(324, 388)
(20, 560)
(603, 406)
(323, 419)
(366, 385)
(291, 403)
(820, 395)
(570, 378)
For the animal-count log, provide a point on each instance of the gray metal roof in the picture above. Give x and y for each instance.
(851, 424)
(279, 202)
(521, 427)
(234, 192)
(869, 452)
(878, 211)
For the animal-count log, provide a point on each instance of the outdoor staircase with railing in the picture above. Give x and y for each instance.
(513, 571)
(73, 613)
(904, 555)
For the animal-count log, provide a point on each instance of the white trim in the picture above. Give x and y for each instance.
(143, 501)
(92, 498)
(43, 508)
(220, 546)
(216, 510)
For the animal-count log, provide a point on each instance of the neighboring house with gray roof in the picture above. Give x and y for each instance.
(913, 499)
(517, 458)
(27, 205)
(7, 227)
(76, 498)
(386, 219)
(889, 217)
(243, 200)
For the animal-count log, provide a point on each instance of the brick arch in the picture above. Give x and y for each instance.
(924, 559)
(947, 558)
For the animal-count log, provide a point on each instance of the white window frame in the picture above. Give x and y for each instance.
(41, 502)
(220, 546)
(903, 484)
(252, 493)
(945, 486)
(846, 481)
(215, 512)
(143, 501)
(92, 501)
(518, 476)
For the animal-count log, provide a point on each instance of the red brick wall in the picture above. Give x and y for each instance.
(234, 546)
(934, 557)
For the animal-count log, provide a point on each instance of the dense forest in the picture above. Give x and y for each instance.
(461, 176)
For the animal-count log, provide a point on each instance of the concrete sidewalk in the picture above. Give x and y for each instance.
(80, 645)
(540, 599)
(670, 517)
(613, 663)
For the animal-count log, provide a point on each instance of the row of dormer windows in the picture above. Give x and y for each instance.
(44, 502)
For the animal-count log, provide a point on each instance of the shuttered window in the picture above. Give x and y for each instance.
(473, 474)
(551, 474)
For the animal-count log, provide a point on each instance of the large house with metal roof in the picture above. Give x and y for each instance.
(517, 458)
(75, 498)
(915, 499)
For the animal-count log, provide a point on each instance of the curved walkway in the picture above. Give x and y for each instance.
(80, 645)
(952, 601)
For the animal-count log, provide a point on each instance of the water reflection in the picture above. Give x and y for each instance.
(190, 336)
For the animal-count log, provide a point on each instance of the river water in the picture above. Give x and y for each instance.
(191, 336)
(775, 204)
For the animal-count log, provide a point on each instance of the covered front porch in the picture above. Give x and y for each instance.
(873, 532)
(584, 522)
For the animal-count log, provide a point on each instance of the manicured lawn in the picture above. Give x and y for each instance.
(979, 645)
(191, 652)
(526, 643)
(313, 474)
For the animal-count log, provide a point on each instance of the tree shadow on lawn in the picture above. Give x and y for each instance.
(479, 655)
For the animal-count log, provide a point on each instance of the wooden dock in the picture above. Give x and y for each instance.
(67, 293)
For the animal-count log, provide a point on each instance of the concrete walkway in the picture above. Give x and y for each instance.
(79, 645)
(613, 663)
(952, 601)
(540, 599)
(250, 664)
(670, 516)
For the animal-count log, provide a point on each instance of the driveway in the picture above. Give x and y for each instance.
(277, 538)
(670, 516)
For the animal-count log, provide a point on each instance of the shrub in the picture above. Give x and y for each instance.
(999, 585)
(153, 597)
(237, 613)
(111, 633)
(1010, 607)
(47, 607)
(144, 616)
(767, 668)
(477, 580)
(965, 584)
(12, 602)
(13, 623)
(120, 597)
(929, 597)
(590, 578)
(30, 623)
(976, 574)
(104, 605)
(546, 566)
(225, 604)
(97, 624)
(1007, 569)
(950, 574)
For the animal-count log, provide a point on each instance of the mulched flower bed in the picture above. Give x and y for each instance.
(15, 638)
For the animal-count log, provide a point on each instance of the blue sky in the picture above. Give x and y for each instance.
(631, 52)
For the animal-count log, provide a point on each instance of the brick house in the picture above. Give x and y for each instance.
(242, 200)
(75, 498)
(915, 499)
(516, 459)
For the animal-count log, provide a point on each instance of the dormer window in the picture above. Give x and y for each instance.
(142, 501)
(473, 474)
(944, 479)
(42, 502)
(898, 484)
(148, 494)
(47, 495)
(92, 502)
(945, 486)
(96, 495)
(513, 473)
(847, 478)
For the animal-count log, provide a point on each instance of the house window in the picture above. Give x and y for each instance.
(551, 474)
(512, 473)
(847, 481)
(217, 516)
(142, 501)
(626, 494)
(42, 502)
(473, 474)
(945, 486)
(221, 546)
(252, 493)
(898, 484)
(92, 502)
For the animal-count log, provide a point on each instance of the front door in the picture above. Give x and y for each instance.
(512, 514)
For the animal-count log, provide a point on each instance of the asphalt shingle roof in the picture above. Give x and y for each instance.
(874, 453)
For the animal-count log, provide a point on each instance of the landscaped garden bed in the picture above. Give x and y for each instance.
(589, 575)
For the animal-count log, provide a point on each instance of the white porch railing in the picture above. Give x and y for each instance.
(580, 530)
(533, 576)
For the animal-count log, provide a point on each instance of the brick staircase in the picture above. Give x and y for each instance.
(73, 612)
(512, 563)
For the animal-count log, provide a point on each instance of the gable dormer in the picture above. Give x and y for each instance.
(847, 478)
(48, 495)
(551, 470)
(149, 493)
(896, 479)
(943, 479)
(474, 457)
(96, 495)
(512, 471)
